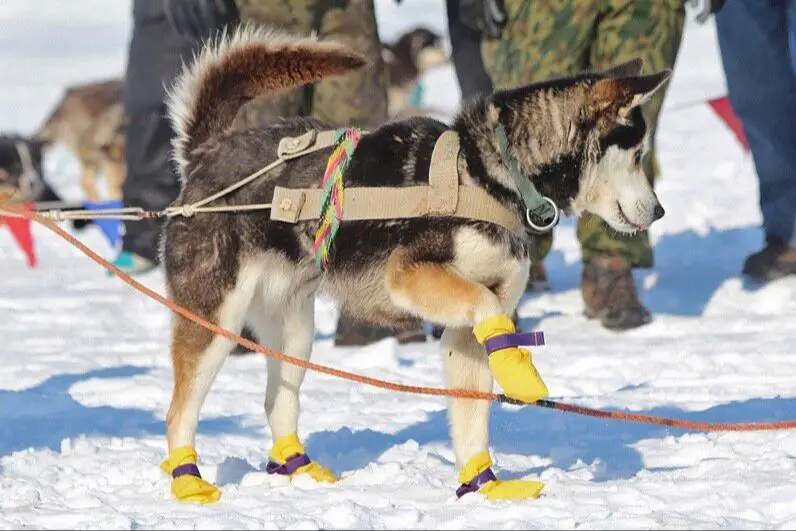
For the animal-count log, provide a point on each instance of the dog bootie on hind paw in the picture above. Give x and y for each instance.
(288, 458)
(477, 476)
(187, 484)
(511, 366)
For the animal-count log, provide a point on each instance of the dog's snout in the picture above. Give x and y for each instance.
(658, 212)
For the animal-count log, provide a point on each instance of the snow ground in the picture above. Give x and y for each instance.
(87, 379)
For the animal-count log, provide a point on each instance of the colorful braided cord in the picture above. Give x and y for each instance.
(332, 198)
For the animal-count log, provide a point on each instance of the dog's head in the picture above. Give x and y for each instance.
(20, 165)
(426, 49)
(582, 141)
(416, 51)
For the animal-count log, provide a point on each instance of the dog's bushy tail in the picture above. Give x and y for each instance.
(236, 68)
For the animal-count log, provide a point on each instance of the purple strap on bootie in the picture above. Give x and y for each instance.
(292, 464)
(524, 339)
(484, 477)
(186, 470)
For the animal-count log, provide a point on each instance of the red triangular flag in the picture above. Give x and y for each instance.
(20, 230)
(721, 106)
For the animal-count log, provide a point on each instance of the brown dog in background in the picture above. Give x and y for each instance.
(89, 120)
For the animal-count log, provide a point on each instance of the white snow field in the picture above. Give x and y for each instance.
(86, 379)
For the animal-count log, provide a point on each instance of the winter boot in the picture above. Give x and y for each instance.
(609, 293)
(775, 260)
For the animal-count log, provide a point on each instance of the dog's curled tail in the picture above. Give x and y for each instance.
(236, 68)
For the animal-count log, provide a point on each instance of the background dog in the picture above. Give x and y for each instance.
(21, 169)
(579, 140)
(22, 174)
(89, 120)
(412, 55)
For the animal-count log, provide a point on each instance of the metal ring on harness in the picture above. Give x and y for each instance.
(549, 226)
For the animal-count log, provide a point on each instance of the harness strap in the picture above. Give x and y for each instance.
(295, 205)
(443, 175)
(442, 197)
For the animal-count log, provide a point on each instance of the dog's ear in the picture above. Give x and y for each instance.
(634, 67)
(616, 97)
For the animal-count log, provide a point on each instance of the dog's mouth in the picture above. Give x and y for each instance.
(622, 217)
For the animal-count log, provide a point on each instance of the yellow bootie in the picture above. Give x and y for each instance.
(511, 366)
(288, 458)
(188, 485)
(477, 476)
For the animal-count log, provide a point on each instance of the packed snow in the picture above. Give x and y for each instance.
(87, 378)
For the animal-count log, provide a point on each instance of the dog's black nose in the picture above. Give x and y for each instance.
(659, 212)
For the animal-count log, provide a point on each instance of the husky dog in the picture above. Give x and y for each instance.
(579, 140)
(22, 174)
(21, 169)
(89, 120)
(407, 59)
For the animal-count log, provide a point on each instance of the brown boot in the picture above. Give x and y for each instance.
(351, 333)
(609, 292)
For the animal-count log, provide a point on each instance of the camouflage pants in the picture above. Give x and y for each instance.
(358, 98)
(548, 38)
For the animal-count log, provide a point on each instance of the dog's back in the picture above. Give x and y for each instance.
(87, 118)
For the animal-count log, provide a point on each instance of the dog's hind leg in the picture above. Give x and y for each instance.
(114, 177)
(89, 181)
(294, 325)
(197, 356)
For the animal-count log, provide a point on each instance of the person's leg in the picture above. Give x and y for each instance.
(154, 60)
(358, 98)
(650, 30)
(541, 40)
(466, 55)
(792, 32)
(292, 16)
(755, 49)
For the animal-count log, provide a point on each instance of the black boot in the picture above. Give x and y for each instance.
(776, 260)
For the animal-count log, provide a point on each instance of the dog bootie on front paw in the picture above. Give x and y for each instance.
(187, 484)
(288, 458)
(512, 367)
(477, 476)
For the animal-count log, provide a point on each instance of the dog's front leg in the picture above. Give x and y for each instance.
(441, 293)
(466, 367)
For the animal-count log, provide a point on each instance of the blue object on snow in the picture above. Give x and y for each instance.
(416, 96)
(111, 228)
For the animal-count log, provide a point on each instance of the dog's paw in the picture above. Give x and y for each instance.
(319, 473)
(288, 458)
(192, 489)
(188, 485)
(477, 476)
(513, 489)
(516, 374)
(511, 366)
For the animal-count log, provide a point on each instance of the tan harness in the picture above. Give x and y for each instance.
(443, 197)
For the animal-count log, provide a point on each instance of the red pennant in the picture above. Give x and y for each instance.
(722, 107)
(20, 230)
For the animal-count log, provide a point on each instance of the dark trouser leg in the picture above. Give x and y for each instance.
(466, 55)
(154, 60)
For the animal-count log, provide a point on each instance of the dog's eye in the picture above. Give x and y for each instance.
(637, 157)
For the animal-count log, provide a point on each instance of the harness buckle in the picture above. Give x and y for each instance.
(291, 146)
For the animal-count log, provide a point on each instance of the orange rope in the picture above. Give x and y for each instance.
(413, 389)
